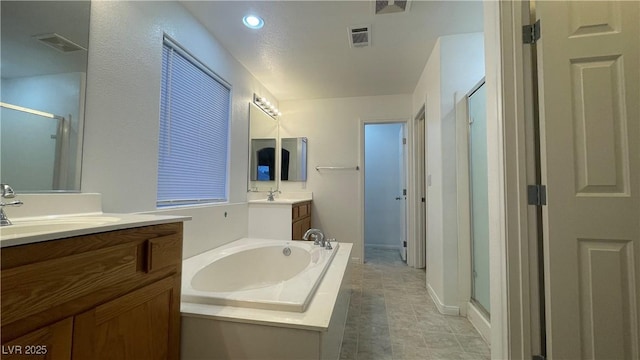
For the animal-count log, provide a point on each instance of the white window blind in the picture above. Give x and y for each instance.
(194, 131)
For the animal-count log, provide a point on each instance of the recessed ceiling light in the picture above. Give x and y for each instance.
(253, 21)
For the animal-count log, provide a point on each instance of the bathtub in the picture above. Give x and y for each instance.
(257, 273)
(212, 331)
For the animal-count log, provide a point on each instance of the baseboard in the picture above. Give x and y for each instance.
(381, 246)
(479, 321)
(444, 309)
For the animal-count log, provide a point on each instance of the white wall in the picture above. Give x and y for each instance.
(428, 93)
(381, 223)
(122, 114)
(455, 65)
(333, 128)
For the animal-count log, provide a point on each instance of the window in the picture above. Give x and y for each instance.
(193, 153)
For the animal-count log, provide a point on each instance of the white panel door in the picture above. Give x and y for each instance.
(590, 134)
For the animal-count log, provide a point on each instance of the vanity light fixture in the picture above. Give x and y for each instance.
(266, 106)
(253, 22)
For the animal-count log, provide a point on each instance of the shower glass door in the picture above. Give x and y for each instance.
(479, 198)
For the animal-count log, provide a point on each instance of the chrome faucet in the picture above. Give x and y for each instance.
(318, 236)
(7, 193)
(270, 195)
(328, 246)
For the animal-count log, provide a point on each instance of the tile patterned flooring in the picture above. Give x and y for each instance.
(391, 316)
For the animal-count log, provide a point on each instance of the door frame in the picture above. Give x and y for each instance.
(468, 176)
(418, 175)
(410, 234)
(510, 222)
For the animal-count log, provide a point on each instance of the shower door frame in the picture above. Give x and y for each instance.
(473, 299)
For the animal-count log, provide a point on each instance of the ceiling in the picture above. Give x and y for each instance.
(303, 51)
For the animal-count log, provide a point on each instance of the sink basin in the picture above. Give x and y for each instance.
(54, 224)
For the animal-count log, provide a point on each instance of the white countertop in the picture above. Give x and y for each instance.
(278, 201)
(29, 230)
(281, 198)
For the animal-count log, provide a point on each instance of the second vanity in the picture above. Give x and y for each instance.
(92, 287)
(286, 217)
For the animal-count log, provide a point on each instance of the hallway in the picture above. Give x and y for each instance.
(391, 316)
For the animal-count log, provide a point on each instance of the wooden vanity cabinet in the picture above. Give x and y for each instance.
(112, 295)
(300, 219)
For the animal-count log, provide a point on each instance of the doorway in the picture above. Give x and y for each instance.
(385, 194)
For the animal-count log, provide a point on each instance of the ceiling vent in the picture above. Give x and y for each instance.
(58, 42)
(391, 6)
(360, 36)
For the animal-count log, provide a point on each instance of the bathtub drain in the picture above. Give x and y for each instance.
(286, 251)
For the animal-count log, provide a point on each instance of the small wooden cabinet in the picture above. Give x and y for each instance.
(112, 295)
(300, 219)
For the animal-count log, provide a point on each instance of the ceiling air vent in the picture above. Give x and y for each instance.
(58, 42)
(360, 36)
(391, 6)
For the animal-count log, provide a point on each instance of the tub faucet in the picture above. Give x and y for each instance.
(328, 246)
(7, 193)
(318, 235)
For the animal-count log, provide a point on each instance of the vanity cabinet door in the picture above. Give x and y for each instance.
(306, 225)
(144, 324)
(301, 219)
(296, 230)
(51, 342)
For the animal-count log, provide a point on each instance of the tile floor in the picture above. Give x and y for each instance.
(391, 316)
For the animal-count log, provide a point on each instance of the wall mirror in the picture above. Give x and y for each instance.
(263, 155)
(44, 64)
(294, 159)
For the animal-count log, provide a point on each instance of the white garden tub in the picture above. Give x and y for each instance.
(257, 273)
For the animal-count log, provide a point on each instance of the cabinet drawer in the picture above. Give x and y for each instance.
(164, 251)
(32, 288)
(304, 209)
